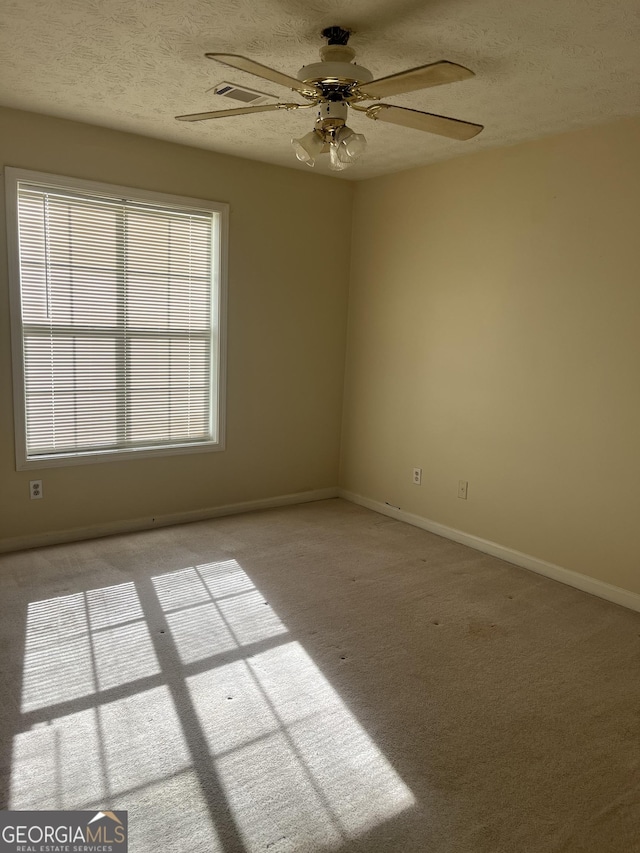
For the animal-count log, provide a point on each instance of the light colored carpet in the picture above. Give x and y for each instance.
(318, 678)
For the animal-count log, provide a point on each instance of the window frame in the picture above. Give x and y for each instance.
(13, 176)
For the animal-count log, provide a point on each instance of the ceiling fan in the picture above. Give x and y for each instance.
(337, 83)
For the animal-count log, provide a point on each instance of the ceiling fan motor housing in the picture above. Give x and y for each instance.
(337, 66)
(331, 115)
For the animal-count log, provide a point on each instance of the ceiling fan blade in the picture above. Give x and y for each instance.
(443, 126)
(422, 77)
(239, 111)
(242, 63)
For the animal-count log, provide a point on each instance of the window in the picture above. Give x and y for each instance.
(117, 320)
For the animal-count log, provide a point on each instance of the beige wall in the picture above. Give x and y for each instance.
(286, 330)
(494, 336)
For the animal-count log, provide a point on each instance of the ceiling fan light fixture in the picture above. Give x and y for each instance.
(356, 145)
(336, 163)
(351, 145)
(308, 147)
(346, 147)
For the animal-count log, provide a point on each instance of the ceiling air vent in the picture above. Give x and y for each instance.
(241, 93)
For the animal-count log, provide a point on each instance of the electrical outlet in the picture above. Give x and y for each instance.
(462, 489)
(417, 476)
(35, 489)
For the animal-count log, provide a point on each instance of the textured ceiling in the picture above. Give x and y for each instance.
(542, 67)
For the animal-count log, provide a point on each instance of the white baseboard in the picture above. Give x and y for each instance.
(583, 582)
(95, 531)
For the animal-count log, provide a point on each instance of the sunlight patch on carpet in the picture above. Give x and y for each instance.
(188, 686)
(283, 740)
(77, 644)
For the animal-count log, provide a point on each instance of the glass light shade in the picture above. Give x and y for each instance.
(308, 147)
(350, 145)
(355, 145)
(335, 159)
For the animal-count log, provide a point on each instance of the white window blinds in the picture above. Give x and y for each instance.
(119, 323)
